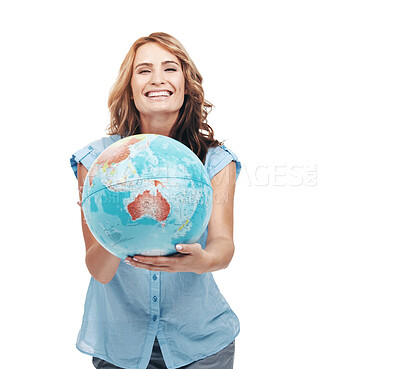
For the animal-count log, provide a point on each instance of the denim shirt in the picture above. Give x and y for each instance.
(185, 311)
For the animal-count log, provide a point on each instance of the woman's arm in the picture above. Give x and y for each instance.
(219, 249)
(101, 264)
(220, 227)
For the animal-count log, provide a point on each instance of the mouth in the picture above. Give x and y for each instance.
(158, 95)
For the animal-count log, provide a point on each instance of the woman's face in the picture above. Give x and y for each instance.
(158, 83)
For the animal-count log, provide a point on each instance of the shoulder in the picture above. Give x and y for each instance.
(88, 154)
(218, 158)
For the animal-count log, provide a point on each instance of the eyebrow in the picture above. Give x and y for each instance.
(151, 64)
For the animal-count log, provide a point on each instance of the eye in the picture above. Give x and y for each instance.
(144, 71)
(171, 69)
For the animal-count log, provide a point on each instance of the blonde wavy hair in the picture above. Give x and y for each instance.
(191, 127)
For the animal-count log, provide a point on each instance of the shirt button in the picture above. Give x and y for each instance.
(154, 277)
(154, 298)
(154, 318)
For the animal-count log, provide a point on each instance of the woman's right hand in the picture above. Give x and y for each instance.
(101, 264)
(79, 202)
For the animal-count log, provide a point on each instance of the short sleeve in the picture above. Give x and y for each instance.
(218, 158)
(86, 156)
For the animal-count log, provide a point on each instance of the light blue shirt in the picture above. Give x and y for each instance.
(185, 311)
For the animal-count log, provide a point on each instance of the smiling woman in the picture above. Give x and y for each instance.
(153, 311)
(160, 62)
(158, 87)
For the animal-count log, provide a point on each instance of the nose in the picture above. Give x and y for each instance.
(157, 77)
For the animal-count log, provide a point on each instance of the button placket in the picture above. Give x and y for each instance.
(155, 296)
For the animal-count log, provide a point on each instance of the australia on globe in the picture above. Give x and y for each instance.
(146, 193)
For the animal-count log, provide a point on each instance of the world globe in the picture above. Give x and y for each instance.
(146, 193)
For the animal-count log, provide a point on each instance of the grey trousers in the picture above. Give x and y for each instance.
(221, 360)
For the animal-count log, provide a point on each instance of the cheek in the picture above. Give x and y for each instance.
(180, 82)
(136, 88)
(136, 95)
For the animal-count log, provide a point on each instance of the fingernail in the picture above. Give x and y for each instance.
(135, 259)
(127, 262)
(179, 247)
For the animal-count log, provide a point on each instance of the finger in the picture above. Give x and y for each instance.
(153, 268)
(187, 248)
(128, 260)
(154, 260)
(181, 248)
(80, 205)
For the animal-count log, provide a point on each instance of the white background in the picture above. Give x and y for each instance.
(306, 94)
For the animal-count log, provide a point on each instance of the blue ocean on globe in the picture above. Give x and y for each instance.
(146, 193)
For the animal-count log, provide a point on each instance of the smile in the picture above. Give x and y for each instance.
(158, 95)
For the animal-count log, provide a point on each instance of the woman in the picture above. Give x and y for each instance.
(162, 312)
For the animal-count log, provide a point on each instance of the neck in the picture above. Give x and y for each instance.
(160, 124)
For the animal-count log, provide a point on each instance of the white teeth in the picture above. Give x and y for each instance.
(158, 93)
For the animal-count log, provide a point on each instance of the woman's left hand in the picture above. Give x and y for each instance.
(191, 258)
